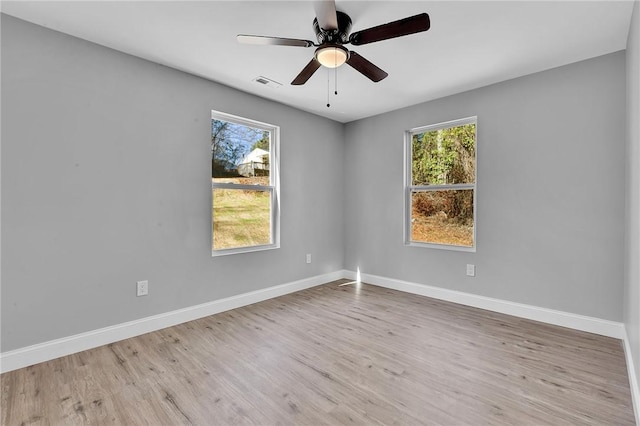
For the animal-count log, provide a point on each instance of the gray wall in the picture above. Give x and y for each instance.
(105, 171)
(632, 243)
(105, 181)
(550, 213)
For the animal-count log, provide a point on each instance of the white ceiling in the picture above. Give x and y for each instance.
(470, 43)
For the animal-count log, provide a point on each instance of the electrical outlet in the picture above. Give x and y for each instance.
(308, 257)
(471, 270)
(142, 288)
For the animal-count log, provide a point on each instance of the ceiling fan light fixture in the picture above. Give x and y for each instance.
(332, 56)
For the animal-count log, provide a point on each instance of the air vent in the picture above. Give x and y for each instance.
(267, 82)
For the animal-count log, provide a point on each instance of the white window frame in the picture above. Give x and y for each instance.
(273, 188)
(409, 188)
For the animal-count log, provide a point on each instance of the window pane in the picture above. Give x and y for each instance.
(444, 156)
(239, 151)
(241, 218)
(442, 217)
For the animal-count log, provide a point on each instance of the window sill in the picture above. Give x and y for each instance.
(440, 246)
(226, 252)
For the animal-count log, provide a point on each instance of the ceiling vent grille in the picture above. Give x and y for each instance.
(264, 81)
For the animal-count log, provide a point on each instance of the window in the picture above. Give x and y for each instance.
(440, 185)
(244, 185)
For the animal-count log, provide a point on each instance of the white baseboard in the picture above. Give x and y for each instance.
(633, 379)
(549, 316)
(24, 357)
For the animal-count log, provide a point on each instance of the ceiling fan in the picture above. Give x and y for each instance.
(332, 31)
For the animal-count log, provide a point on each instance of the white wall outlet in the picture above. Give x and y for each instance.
(308, 257)
(471, 270)
(142, 288)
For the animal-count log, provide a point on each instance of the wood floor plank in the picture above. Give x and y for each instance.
(355, 354)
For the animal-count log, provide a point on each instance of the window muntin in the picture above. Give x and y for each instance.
(244, 185)
(440, 188)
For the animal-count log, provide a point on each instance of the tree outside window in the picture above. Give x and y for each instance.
(244, 184)
(441, 185)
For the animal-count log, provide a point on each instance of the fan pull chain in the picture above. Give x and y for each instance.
(328, 86)
(335, 57)
(335, 78)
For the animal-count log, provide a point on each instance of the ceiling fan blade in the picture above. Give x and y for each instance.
(306, 72)
(365, 67)
(399, 28)
(326, 14)
(273, 41)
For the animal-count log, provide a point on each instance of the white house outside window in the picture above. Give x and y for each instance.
(244, 185)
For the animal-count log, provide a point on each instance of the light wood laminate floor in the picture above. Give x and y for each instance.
(356, 354)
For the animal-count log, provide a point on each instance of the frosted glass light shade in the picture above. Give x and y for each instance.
(332, 56)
